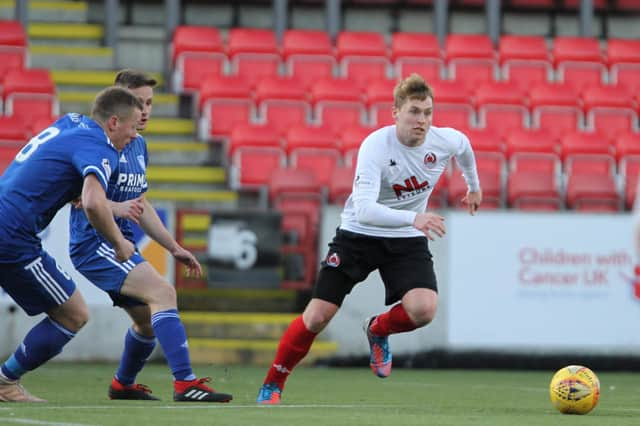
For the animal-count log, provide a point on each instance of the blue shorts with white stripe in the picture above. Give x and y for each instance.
(37, 285)
(98, 265)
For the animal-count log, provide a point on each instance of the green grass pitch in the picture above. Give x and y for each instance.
(321, 396)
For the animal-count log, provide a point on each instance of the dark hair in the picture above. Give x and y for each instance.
(412, 87)
(133, 79)
(116, 101)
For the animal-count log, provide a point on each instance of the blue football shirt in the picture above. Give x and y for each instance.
(47, 173)
(129, 181)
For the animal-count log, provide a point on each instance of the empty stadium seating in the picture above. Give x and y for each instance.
(524, 60)
(470, 58)
(197, 52)
(308, 55)
(417, 52)
(30, 94)
(253, 53)
(224, 102)
(362, 56)
(579, 61)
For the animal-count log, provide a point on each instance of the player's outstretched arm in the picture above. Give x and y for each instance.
(98, 210)
(154, 228)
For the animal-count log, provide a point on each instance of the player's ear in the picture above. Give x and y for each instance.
(112, 123)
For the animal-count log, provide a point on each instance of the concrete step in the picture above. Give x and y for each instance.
(170, 126)
(236, 325)
(177, 152)
(55, 56)
(91, 78)
(250, 352)
(194, 198)
(186, 175)
(65, 32)
(164, 104)
(48, 11)
(237, 300)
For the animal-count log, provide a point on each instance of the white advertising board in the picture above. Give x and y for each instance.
(542, 283)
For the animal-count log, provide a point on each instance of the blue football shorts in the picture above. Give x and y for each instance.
(98, 264)
(37, 285)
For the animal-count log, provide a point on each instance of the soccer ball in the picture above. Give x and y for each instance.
(574, 390)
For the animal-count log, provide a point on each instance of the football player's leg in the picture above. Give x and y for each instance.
(146, 284)
(293, 347)
(139, 343)
(40, 286)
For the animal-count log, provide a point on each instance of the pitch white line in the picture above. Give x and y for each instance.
(39, 422)
(191, 406)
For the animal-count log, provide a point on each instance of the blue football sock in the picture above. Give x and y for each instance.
(173, 339)
(44, 341)
(137, 349)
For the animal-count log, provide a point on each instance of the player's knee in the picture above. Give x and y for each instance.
(166, 294)
(77, 319)
(316, 320)
(422, 314)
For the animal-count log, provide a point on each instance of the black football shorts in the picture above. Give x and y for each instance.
(404, 264)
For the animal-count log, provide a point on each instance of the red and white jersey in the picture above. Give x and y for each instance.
(393, 181)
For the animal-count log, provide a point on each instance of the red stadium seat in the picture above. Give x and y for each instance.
(13, 46)
(555, 108)
(252, 167)
(485, 140)
(627, 144)
(591, 186)
(7, 154)
(380, 102)
(315, 149)
(623, 58)
(501, 106)
(282, 102)
(362, 56)
(197, 52)
(341, 184)
(534, 182)
(609, 109)
(471, 59)
(417, 53)
(439, 195)
(579, 144)
(224, 102)
(337, 104)
(350, 140)
(30, 93)
(524, 60)
(253, 53)
(630, 173)
(253, 136)
(308, 55)
(490, 171)
(14, 131)
(578, 61)
(531, 141)
(453, 107)
(12, 33)
(292, 183)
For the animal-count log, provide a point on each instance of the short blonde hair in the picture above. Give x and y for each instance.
(412, 87)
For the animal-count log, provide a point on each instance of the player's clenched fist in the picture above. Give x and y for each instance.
(430, 222)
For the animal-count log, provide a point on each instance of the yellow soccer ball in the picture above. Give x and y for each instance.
(574, 390)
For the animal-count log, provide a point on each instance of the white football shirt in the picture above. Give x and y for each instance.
(393, 181)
